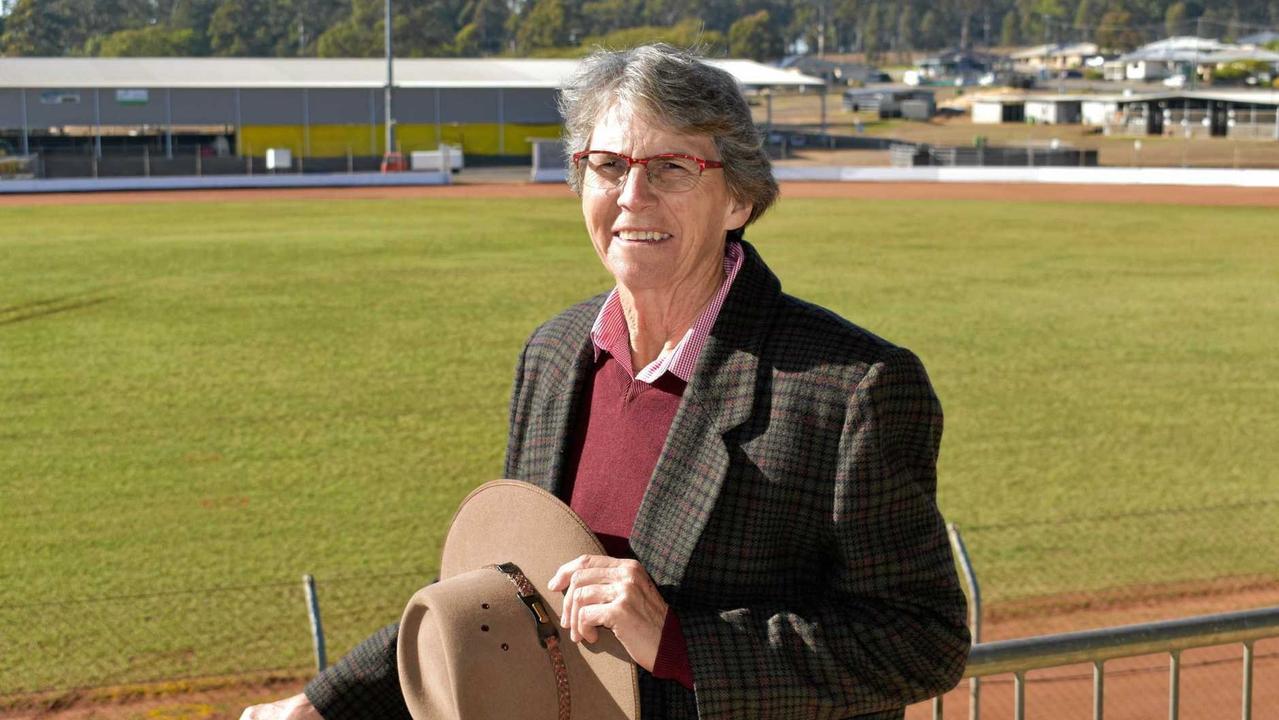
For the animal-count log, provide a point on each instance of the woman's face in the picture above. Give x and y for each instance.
(689, 243)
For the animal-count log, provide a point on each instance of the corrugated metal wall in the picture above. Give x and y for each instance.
(316, 122)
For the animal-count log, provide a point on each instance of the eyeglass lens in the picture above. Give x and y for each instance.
(606, 171)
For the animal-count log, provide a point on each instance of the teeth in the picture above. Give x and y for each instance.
(645, 235)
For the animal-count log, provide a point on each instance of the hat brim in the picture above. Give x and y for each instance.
(510, 521)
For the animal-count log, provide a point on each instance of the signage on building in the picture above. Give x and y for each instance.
(59, 97)
(131, 97)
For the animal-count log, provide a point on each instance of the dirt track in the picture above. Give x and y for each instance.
(1006, 192)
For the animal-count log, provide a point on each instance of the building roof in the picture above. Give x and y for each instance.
(1055, 50)
(1259, 97)
(328, 73)
(1256, 97)
(1260, 38)
(1200, 51)
(1243, 54)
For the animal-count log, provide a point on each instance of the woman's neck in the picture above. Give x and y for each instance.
(658, 319)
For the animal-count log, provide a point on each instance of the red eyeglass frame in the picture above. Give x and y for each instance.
(702, 163)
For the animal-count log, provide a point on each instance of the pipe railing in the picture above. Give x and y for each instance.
(1097, 646)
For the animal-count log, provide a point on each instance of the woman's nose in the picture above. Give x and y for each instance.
(636, 190)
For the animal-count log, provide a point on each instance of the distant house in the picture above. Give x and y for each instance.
(1188, 57)
(1053, 109)
(962, 67)
(1218, 113)
(834, 73)
(889, 102)
(996, 109)
(1172, 56)
(1055, 56)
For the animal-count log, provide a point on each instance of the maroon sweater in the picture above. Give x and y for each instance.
(621, 428)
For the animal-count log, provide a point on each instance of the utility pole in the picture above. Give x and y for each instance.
(390, 119)
(1194, 71)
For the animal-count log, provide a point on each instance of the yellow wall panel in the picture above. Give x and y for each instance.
(256, 139)
(338, 140)
(517, 137)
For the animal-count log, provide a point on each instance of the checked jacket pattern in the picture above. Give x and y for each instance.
(791, 519)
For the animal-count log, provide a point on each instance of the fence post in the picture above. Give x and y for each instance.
(317, 629)
(974, 610)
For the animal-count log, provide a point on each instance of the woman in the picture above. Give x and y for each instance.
(761, 472)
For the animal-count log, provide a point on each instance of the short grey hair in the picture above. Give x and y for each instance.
(681, 91)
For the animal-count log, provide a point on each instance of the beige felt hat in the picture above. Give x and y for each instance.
(485, 641)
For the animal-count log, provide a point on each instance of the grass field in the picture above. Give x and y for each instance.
(201, 402)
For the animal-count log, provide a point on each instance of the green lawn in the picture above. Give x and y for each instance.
(201, 402)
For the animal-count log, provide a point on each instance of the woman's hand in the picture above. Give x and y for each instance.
(297, 707)
(601, 591)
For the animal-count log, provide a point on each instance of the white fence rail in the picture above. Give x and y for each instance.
(1097, 646)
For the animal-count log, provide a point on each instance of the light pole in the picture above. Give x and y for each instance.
(390, 120)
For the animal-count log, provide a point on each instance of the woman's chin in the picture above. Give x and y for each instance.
(636, 275)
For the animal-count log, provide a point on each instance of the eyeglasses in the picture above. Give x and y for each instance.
(668, 172)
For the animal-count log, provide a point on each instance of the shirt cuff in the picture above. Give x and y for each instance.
(672, 653)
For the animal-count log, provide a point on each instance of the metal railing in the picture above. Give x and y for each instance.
(1097, 646)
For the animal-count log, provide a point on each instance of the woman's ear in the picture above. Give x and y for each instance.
(738, 213)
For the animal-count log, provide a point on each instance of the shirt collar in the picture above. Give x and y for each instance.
(611, 335)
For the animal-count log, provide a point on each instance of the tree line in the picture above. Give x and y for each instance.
(882, 30)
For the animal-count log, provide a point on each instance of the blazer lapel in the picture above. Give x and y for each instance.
(719, 397)
(569, 365)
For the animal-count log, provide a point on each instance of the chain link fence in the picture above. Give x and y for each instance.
(230, 630)
(1029, 570)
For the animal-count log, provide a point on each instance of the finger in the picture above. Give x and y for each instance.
(584, 597)
(594, 575)
(560, 579)
(593, 617)
(582, 577)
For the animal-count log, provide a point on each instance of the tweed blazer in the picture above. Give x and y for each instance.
(790, 521)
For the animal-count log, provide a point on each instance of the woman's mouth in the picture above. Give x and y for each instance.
(641, 235)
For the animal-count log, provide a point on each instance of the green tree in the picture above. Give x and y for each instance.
(425, 30)
(495, 25)
(1116, 31)
(193, 15)
(35, 28)
(362, 34)
(929, 29)
(604, 16)
(754, 37)
(1008, 29)
(239, 28)
(152, 41)
(687, 33)
(1175, 19)
(906, 30)
(870, 33)
(1084, 17)
(545, 26)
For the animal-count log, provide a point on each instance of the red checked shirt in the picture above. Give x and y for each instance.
(622, 427)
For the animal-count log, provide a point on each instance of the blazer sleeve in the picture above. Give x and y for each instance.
(365, 683)
(889, 628)
(519, 412)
